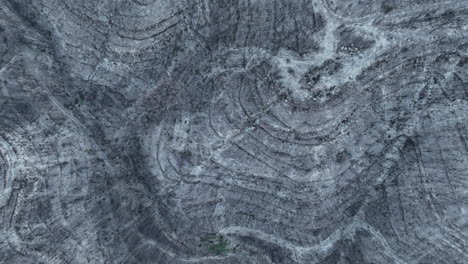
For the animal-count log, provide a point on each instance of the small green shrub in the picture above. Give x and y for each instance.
(219, 248)
(215, 244)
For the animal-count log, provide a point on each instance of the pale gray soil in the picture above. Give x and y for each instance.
(234, 131)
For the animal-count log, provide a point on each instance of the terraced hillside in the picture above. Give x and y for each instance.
(234, 131)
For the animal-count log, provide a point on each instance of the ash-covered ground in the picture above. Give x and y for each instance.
(234, 131)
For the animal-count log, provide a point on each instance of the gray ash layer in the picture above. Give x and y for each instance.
(240, 131)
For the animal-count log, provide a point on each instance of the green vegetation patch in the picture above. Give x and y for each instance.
(215, 244)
